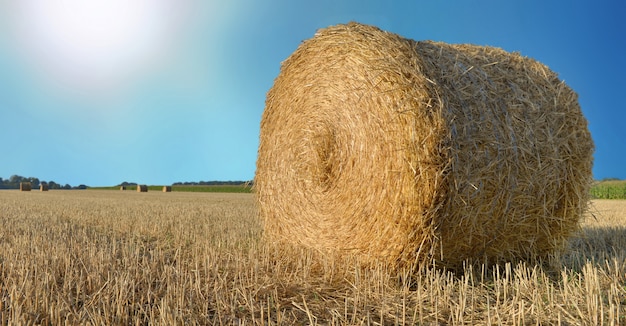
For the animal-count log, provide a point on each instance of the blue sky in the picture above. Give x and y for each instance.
(158, 91)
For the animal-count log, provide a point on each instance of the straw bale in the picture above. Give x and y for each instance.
(142, 188)
(25, 186)
(43, 187)
(401, 151)
(122, 187)
(167, 188)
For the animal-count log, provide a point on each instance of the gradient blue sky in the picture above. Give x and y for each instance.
(98, 92)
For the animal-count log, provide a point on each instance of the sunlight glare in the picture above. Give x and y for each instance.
(97, 43)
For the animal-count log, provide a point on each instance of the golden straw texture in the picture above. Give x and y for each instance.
(402, 151)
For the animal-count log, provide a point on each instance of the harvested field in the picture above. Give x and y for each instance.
(112, 257)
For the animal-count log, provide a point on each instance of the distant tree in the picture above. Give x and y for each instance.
(34, 182)
(14, 183)
(15, 179)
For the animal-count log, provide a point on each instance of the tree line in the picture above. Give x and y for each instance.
(198, 183)
(213, 183)
(14, 183)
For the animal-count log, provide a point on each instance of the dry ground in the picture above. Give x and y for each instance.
(113, 257)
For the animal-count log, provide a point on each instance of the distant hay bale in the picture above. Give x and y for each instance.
(167, 188)
(122, 187)
(43, 187)
(25, 186)
(402, 151)
(142, 188)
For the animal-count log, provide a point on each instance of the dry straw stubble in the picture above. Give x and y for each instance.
(402, 151)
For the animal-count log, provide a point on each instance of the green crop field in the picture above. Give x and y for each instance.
(215, 188)
(610, 189)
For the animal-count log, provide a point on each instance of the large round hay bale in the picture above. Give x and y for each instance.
(142, 188)
(25, 186)
(403, 151)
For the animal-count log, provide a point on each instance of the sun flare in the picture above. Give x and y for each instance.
(95, 42)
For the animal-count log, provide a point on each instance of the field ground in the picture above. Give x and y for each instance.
(113, 257)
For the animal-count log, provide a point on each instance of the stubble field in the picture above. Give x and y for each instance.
(111, 257)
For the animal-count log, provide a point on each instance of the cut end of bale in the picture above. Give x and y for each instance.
(418, 152)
